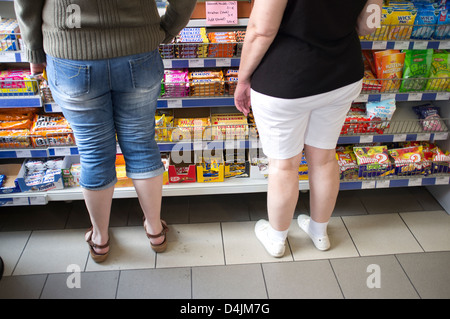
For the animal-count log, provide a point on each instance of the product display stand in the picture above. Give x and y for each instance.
(439, 185)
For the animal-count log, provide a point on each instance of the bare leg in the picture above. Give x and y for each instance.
(98, 204)
(282, 194)
(150, 195)
(323, 172)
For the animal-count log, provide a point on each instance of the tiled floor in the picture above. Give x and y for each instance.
(386, 243)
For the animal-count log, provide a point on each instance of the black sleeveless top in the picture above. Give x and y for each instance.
(315, 51)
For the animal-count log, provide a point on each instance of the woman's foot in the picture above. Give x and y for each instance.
(99, 252)
(322, 242)
(157, 237)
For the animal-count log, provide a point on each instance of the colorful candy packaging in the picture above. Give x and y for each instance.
(348, 166)
(408, 160)
(373, 161)
(439, 72)
(176, 83)
(416, 70)
(425, 22)
(402, 21)
(389, 66)
(381, 111)
(443, 25)
(429, 116)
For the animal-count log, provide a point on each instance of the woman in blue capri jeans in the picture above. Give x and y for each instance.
(301, 67)
(105, 72)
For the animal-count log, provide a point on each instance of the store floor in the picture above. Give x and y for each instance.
(386, 243)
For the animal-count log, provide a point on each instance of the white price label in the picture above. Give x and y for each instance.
(420, 45)
(383, 183)
(415, 97)
(401, 45)
(442, 180)
(415, 182)
(196, 63)
(174, 103)
(23, 153)
(223, 62)
(379, 45)
(62, 151)
(423, 137)
(366, 139)
(399, 137)
(368, 184)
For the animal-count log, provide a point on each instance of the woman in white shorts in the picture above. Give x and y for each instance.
(301, 68)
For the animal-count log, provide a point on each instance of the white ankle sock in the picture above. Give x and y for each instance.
(317, 229)
(277, 235)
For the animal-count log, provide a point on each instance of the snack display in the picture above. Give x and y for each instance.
(17, 82)
(9, 38)
(440, 72)
(42, 173)
(206, 83)
(389, 68)
(373, 161)
(51, 130)
(429, 116)
(229, 126)
(176, 83)
(416, 70)
(415, 19)
(222, 44)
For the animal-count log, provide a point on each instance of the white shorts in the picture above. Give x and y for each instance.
(285, 125)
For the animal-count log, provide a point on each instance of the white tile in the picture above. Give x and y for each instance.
(192, 245)
(52, 252)
(431, 229)
(242, 247)
(129, 249)
(381, 234)
(341, 244)
(11, 247)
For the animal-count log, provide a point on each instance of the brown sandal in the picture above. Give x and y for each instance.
(160, 247)
(98, 258)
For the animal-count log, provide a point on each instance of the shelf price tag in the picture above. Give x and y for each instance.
(442, 180)
(223, 62)
(196, 63)
(221, 12)
(384, 183)
(420, 45)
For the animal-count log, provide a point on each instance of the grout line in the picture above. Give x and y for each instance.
(399, 215)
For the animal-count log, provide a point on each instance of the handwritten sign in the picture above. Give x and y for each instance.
(221, 12)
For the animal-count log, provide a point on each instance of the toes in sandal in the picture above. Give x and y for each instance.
(159, 248)
(98, 258)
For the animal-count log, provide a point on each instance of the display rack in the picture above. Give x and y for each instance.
(404, 126)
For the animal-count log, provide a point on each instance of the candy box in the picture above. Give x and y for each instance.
(9, 173)
(182, 167)
(70, 171)
(236, 163)
(17, 82)
(41, 175)
(210, 168)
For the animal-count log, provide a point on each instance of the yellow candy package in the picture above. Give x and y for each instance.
(402, 22)
(440, 72)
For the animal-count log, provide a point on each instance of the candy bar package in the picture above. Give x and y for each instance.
(176, 83)
(373, 161)
(408, 160)
(389, 68)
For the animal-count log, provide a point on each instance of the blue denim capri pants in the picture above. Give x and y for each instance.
(102, 99)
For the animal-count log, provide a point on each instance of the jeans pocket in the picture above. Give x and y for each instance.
(146, 70)
(71, 78)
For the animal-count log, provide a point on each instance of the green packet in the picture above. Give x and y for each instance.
(416, 70)
(440, 72)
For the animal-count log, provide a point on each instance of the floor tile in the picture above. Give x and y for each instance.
(349, 203)
(381, 234)
(168, 283)
(301, 280)
(228, 282)
(11, 248)
(429, 273)
(192, 245)
(378, 277)
(52, 252)
(426, 200)
(242, 247)
(129, 249)
(431, 229)
(213, 208)
(22, 287)
(341, 244)
(384, 201)
(81, 285)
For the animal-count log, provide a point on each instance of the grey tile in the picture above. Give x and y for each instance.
(173, 283)
(372, 278)
(11, 248)
(430, 228)
(52, 252)
(228, 282)
(349, 203)
(425, 199)
(81, 285)
(381, 234)
(175, 210)
(301, 280)
(22, 287)
(218, 208)
(382, 201)
(429, 273)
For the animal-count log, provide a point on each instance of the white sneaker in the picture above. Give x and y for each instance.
(274, 248)
(321, 243)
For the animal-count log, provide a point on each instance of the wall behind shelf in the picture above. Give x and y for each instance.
(7, 9)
